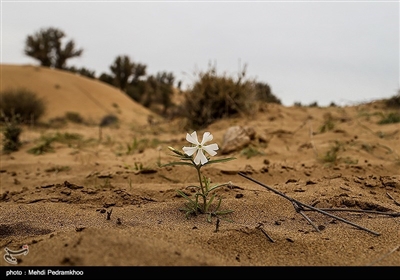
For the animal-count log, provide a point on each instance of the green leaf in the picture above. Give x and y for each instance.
(175, 151)
(219, 204)
(217, 186)
(193, 203)
(176, 163)
(210, 201)
(224, 212)
(223, 218)
(219, 160)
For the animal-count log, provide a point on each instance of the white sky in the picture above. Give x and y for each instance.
(325, 51)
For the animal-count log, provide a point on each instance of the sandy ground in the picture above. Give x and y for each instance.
(106, 201)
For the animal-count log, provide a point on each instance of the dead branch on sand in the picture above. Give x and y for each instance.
(385, 255)
(301, 207)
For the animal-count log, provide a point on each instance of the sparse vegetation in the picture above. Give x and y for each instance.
(45, 142)
(392, 117)
(331, 156)
(251, 151)
(43, 147)
(138, 146)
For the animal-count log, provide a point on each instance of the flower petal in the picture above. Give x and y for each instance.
(207, 136)
(192, 138)
(200, 157)
(189, 150)
(211, 149)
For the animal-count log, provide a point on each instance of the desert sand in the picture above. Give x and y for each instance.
(106, 201)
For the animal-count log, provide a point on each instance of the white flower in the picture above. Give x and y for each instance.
(200, 147)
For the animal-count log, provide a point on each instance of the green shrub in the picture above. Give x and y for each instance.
(74, 117)
(393, 117)
(109, 120)
(215, 97)
(22, 103)
(12, 131)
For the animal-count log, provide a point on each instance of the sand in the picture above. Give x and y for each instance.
(108, 202)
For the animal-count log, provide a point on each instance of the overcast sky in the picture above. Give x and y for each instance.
(308, 51)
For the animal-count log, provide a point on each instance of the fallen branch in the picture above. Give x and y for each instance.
(392, 214)
(384, 256)
(301, 207)
(260, 227)
(394, 200)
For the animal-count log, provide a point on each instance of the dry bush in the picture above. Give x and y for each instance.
(22, 103)
(215, 97)
(394, 101)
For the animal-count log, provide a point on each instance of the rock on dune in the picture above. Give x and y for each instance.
(64, 91)
(237, 137)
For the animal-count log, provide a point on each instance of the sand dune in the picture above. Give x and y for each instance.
(106, 202)
(64, 91)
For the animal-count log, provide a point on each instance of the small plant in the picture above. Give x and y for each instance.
(138, 166)
(74, 117)
(251, 151)
(11, 135)
(194, 156)
(393, 117)
(139, 145)
(331, 155)
(43, 147)
(58, 168)
(328, 123)
(67, 137)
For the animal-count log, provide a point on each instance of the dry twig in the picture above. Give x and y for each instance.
(260, 226)
(391, 197)
(385, 255)
(301, 207)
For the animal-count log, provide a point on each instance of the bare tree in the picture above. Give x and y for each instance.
(46, 46)
(123, 69)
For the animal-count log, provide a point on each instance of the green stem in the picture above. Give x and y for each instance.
(202, 188)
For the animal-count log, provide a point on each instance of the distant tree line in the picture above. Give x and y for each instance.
(47, 47)
(152, 91)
